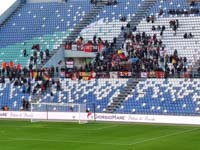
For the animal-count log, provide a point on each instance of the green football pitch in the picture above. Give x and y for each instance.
(23, 135)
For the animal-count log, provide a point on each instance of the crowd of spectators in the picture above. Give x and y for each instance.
(94, 45)
(151, 54)
(140, 52)
(11, 70)
(38, 55)
(14, 73)
(32, 80)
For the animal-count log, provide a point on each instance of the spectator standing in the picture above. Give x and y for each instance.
(47, 52)
(18, 67)
(11, 64)
(24, 52)
(41, 55)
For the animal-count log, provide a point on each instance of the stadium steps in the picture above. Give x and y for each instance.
(135, 20)
(121, 97)
(86, 20)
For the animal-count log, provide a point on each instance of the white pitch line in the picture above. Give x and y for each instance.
(163, 136)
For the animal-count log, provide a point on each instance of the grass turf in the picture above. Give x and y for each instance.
(23, 135)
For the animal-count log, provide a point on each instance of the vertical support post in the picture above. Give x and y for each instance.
(47, 112)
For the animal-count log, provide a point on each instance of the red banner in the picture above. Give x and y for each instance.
(160, 74)
(125, 74)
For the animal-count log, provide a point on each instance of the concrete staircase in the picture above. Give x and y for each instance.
(135, 20)
(117, 101)
(86, 20)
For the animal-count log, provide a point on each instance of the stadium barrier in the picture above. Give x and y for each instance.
(132, 118)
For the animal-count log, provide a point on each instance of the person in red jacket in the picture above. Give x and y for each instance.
(11, 64)
(19, 67)
(4, 65)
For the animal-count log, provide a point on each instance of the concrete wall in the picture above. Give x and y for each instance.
(79, 54)
(56, 58)
(9, 11)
